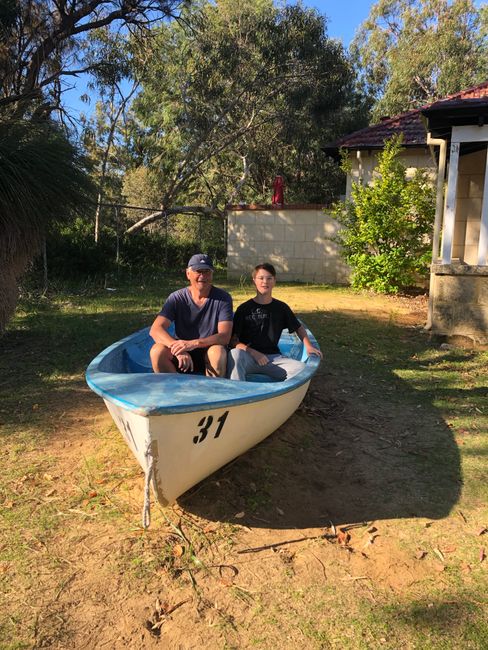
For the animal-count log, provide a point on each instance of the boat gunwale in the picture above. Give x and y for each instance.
(249, 391)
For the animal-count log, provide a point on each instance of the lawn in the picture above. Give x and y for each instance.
(361, 523)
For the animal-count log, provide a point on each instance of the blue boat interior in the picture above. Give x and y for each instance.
(135, 356)
(122, 374)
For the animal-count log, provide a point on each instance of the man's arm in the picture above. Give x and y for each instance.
(302, 334)
(159, 331)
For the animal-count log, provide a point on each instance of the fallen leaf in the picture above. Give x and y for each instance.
(439, 567)
(420, 554)
(178, 550)
(8, 504)
(343, 538)
(48, 477)
(439, 554)
(448, 549)
(228, 573)
(482, 531)
(240, 515)
(92, 494)
(49, 493)
(482, 554)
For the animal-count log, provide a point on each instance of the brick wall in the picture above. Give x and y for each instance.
(295, 239)
(460, 301)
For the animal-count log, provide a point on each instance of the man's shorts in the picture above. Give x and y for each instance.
(199, 363)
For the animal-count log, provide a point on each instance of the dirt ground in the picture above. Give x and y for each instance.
(315, 516)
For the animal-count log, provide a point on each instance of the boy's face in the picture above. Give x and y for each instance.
(264, 282)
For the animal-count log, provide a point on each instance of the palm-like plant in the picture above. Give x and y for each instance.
(42, 180)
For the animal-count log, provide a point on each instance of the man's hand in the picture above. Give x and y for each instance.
(260, 358)
(180, 346)
(185, 362)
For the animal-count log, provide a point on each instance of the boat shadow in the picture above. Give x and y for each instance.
(364, 446)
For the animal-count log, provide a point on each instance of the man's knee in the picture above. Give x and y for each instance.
(216, 361)
(161, 358)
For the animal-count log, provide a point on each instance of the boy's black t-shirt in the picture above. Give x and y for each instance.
(260, 326)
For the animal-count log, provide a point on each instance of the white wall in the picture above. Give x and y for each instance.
(295, 239)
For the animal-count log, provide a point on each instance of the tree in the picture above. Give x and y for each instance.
(42, 45)
(41, 175)
(412, 52)
(387, 226)
(101, 133)
(238, 92)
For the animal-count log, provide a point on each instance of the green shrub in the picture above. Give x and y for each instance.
(387, 226)
(72, 253)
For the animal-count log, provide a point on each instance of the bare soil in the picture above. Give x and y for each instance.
(324, 513)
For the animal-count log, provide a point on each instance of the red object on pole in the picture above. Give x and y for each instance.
(278, 188)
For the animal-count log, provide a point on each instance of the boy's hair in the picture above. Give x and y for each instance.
(265, 267)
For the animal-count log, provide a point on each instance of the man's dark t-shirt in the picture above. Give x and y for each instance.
(193, 322)
(260, 326)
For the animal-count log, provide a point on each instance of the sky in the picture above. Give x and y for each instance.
(344, 16)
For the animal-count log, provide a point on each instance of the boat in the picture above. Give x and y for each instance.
(182, 428)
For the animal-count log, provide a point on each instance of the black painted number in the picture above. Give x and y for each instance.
(205, 424)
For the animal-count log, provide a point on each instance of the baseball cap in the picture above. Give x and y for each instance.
(200, 261)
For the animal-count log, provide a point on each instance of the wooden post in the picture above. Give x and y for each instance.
(117, 253)
(44, 264)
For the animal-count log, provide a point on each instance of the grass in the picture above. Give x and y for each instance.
(399, 426)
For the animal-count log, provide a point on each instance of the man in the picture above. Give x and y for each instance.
(258, 324)
(202, 315)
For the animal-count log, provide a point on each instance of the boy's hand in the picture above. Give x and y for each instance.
(260, 358)
(315, 351)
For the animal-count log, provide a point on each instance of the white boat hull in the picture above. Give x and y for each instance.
(185, 448)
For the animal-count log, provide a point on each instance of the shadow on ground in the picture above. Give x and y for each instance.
(364, 445)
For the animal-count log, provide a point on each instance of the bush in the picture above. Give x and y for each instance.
(387, 226)
(72, 253)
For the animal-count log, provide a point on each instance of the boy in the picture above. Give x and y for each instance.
(258, 324)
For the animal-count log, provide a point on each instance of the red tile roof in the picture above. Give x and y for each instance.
(411, 124)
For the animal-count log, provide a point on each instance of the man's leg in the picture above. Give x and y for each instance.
(161, 358)
(216, 361)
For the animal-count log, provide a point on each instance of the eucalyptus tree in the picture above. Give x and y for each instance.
(411, 52)
(235, 93)
(43, 44)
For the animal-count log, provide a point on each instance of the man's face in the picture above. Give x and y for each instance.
(264, 281)
(200, 278)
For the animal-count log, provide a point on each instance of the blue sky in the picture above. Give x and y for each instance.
(344, 16)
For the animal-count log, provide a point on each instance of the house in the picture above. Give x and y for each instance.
(449, 136)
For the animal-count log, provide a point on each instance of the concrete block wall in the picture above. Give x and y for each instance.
(460, 304)
(296, 239)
